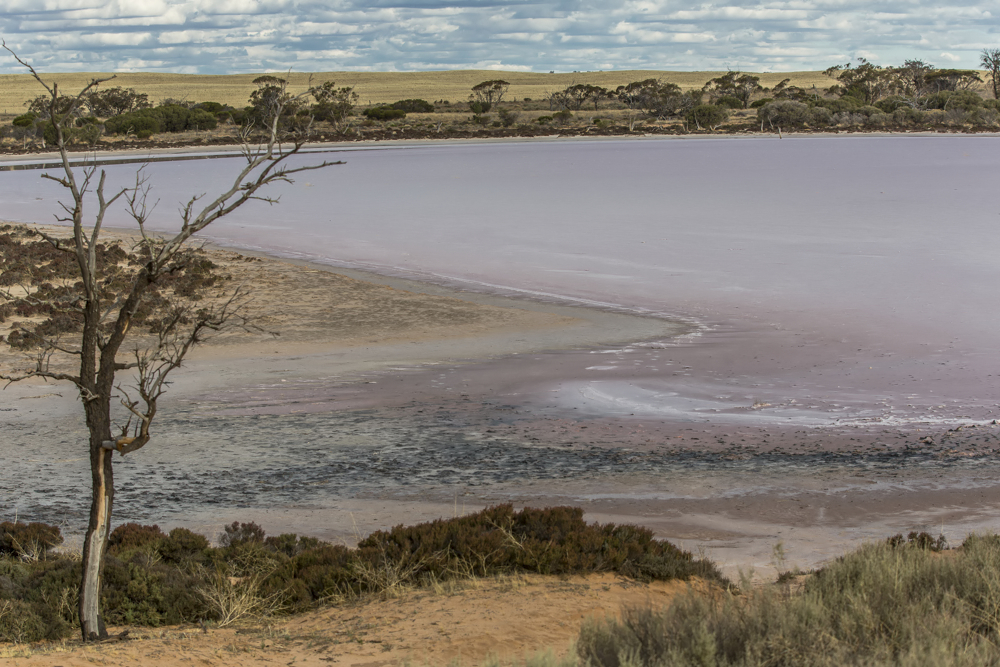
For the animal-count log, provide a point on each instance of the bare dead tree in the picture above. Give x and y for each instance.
(108, 318)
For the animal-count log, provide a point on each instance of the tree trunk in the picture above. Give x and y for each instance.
(96, 542)
(97, 407)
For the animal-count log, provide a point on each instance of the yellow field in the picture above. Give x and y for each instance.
(373, 87)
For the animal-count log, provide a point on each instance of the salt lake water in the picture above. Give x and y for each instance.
(829, 278)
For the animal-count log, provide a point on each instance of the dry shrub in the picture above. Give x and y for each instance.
(884, 604)
(239, 599)
(554, 540)
(28, 541)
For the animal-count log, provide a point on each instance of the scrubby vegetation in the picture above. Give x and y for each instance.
(40, 289)
(153, 578)
(861, 97)
(900, 602)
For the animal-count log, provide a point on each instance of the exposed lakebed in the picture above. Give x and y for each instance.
(838, 295)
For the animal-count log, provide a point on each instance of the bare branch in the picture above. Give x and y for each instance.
(57, 243)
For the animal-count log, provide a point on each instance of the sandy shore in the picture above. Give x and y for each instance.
(510, 619)
(383, 401)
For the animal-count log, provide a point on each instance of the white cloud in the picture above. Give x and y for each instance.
(532, 35)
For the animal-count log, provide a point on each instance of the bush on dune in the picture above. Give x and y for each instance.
(153, 578)
(900, 602)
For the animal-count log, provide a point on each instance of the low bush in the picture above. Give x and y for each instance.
(28, 541)
(507, 117)
(211, 107)
(563, 116)
(130, 536)
(238, 533)
(24, 120)
(383, 113)
(153, 579)
(894, 603)
(413, 106)
(729, 102)
(707, 116)
(165, 118)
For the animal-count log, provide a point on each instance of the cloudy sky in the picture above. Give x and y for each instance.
(230, 36)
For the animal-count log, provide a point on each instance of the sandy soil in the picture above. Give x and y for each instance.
(508, 618)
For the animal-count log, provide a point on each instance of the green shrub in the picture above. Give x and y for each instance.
(131, 536)
(172, 117)
(890, 104)
(707, 116)
(563, 116)
(729, 102)
(383, 113)
(907, 116)
(155, 579)
(210, 107)
(183, 545)
(201, 119)
(137, 593)
(413, 106)
(20, 623)
(542, 120)
(24, 120)
(965, 100)
(141, 123)
(840, 105)
(756, 104)
(291, 545)
(548, 541)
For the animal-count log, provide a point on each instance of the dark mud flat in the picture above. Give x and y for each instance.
(734, 491)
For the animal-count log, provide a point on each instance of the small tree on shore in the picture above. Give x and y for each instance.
(487, 95)
(116, 101)
(107, 310)
(734, 84)
(333, 104)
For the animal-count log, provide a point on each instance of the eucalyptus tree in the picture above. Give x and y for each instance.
(990, 60)
(487, 95)
(106, 372)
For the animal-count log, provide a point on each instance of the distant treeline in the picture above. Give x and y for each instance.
(915, 95)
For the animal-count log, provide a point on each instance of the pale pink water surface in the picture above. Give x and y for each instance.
(834, 278)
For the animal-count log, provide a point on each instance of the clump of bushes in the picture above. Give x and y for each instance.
(166, 118)
(413, 106)
(383, 113)
(153, 578)
(899, 602)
